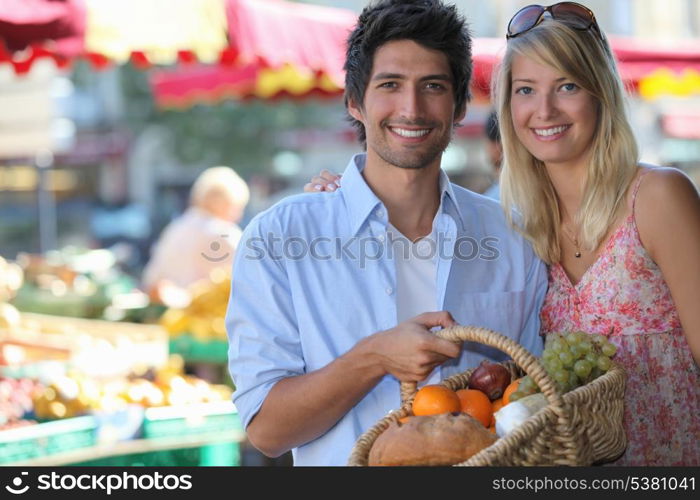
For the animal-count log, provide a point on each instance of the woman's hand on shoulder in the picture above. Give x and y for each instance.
(324, 181)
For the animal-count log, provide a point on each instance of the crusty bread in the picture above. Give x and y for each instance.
(445, 439)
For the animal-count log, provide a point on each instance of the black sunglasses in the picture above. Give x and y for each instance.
(576, 15)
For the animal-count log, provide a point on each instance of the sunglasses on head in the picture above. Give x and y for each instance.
(575, 14)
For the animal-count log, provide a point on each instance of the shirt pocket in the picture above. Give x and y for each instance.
(502, 312)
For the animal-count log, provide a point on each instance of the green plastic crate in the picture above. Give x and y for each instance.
(217, 455)
(193, 350)
(47, 438)
(205, 418)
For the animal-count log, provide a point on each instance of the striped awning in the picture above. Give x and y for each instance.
(209, 50)
(277, 47)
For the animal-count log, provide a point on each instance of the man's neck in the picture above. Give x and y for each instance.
(411, 196)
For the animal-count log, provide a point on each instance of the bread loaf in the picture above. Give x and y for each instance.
(445, 439)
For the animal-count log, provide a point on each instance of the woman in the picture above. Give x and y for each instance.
(622, 240)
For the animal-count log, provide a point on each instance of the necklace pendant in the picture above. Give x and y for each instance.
(577, 255)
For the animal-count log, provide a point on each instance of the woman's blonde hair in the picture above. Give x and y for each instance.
(525, 185)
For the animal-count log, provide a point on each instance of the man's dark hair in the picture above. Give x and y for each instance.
(429, 23)
(491, 126)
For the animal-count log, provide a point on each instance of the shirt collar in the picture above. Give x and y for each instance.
(447, 193)
(360, 200)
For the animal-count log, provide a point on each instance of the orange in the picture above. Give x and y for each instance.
(477, 404)
(497, 405)
(512, 387)
(434, 399)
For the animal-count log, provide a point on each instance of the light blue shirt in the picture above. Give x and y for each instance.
(493, 191)
(315, 274)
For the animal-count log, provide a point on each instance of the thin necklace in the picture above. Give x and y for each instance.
(572, 236)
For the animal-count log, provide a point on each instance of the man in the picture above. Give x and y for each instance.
(321, 280)
(494, 151)
(203, 238)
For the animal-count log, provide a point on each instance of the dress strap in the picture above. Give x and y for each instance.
(636, 187)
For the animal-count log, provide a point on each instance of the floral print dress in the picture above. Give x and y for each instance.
(623, 296)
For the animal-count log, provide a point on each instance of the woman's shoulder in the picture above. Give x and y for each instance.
(666, 197)
(658, 184)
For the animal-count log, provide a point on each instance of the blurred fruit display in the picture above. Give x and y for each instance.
(75, 394)
(71, 383)
(204, 316)
(110, 410)
(77, 282)
(11, 279)
(16, 401)
(96, 348)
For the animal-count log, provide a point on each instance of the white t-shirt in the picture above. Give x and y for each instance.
(416, 279)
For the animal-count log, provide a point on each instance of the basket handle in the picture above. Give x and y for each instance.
(518, 353)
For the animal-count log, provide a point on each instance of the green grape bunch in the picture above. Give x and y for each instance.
(571, 359)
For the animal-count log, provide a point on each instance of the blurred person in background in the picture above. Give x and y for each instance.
(621, 238)
(203, 238)
(494, 151)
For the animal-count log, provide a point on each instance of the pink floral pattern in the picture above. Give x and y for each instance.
(623, 295)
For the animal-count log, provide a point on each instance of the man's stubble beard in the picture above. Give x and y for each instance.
(417, 159)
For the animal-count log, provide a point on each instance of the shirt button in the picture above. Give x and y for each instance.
(381, 238)
(389, 291)
(380, 213)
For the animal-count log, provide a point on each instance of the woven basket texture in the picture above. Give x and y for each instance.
(579, 428)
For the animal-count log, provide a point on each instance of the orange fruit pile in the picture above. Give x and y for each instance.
(435, 399)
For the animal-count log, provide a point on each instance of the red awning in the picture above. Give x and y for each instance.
(271, 33)
(32, 29)
(202, 85)
(264, 48)
(26, 22)
(276, 32)
(276, 49)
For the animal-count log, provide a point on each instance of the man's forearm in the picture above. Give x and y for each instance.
(301, 408)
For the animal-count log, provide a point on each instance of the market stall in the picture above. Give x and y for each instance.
(61, 416)
(91, 391)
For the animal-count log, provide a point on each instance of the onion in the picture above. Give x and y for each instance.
(490, 378)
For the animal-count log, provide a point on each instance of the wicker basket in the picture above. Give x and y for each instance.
(580, 427)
